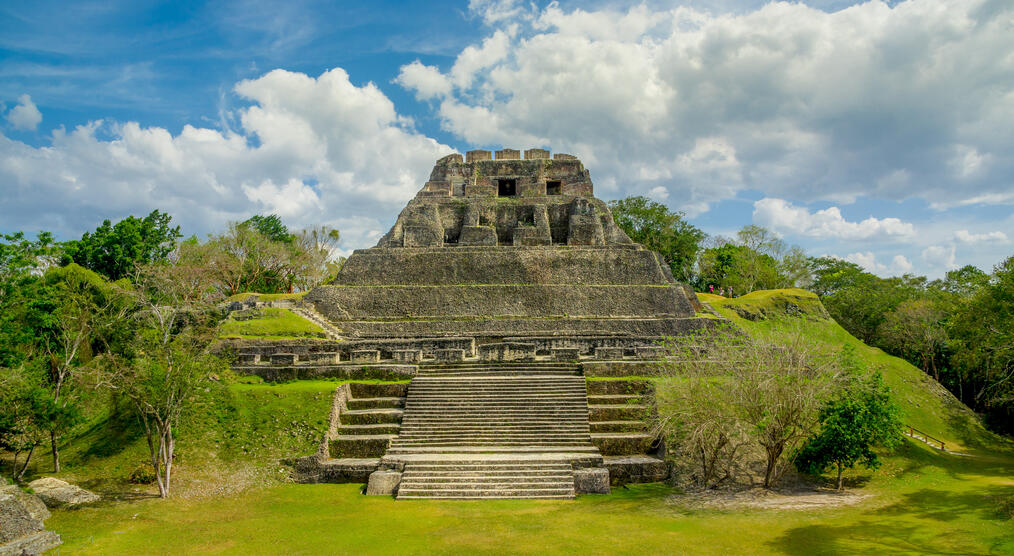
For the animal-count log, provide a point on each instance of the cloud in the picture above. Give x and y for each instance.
(426, 81)
(892, 101)
(314, 150)
(25, 115)
(784, 217)
(964, 236)
(899, 263)
(940, 256)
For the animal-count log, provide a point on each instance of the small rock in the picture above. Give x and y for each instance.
(58, 494)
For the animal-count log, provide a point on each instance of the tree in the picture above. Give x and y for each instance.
(773, 392)
(162, 364)
(271, 227)
(114, 250)
(313, 260)
(916, 331)
(982, 333)
(666, 232)
(851, 424)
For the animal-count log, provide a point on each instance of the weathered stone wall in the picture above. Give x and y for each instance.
(504, 265)
(339, 303)
(500, 328)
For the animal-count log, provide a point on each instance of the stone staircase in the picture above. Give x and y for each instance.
(308, 313)
(488, 478)
(493, 431)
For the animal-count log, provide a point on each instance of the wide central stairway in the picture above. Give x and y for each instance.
(493, 431)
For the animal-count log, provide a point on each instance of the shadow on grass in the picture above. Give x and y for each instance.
(868, 536)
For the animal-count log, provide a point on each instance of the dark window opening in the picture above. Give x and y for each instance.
(553, 188)
(506, 188)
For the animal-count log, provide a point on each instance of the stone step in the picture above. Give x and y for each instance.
(370, 416)
(375, 403)
(632, 412)
(464, 495)
(614, 399)
(624, 386)
(377, 428)
(621, 444)
(360, 446)
(470, 483)
(378, 390)
(499, 475)
(618, 426)
(589, 449)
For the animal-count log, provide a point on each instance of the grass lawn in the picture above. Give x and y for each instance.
(923, 502)
(271, 323)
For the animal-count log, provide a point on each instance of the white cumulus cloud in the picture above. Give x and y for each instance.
(965, 236)
(314, 150)
(940, 256)
(868, 260)
(892, 101)
(25, 115)
(784, 217)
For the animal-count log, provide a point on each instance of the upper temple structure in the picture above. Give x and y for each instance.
(507, 248)
(503, 290)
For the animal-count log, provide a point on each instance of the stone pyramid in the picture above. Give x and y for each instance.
(508, 250)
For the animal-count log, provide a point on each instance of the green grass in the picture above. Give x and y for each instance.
(923, 502)
(271, 323)
(925, 404)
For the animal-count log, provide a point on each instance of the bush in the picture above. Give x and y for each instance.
(143, 474)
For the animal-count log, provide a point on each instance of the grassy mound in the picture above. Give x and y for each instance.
(270, 323)
(926, 404)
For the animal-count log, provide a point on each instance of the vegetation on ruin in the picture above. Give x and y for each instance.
(269, 323)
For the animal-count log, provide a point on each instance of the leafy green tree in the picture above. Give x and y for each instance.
(271, 227)
(662, 230)
(164, 360)
(916, 331)
(861, 417)
(114, 250)
(982, 334)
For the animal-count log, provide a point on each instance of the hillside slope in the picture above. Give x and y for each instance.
(926, 405)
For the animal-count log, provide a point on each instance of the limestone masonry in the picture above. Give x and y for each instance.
(501, 288)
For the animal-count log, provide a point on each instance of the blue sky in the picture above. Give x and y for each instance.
(877, 132)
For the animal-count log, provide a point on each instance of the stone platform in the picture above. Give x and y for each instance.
(500, 289)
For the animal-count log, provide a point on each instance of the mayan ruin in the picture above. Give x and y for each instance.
(502, 286)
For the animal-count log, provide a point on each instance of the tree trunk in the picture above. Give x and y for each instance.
(56, 451)
(28, 459)
(840, 469)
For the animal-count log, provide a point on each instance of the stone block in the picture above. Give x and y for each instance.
(407, 355)
(450, 159)
(585, 230)
(532, 235)
(561, 156)
(608, 353)
(649, 352)
(322, 358)
(449, 355)
(423, 236)
(508, 154)
(536, 154)
(635, 469)
(283, 358)
(383, 483)
(248, 358)
(593, 480)
(477, 155)
(366, 356)
(565, 354)
(507, 351)
(480, 190)
(477, 235)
